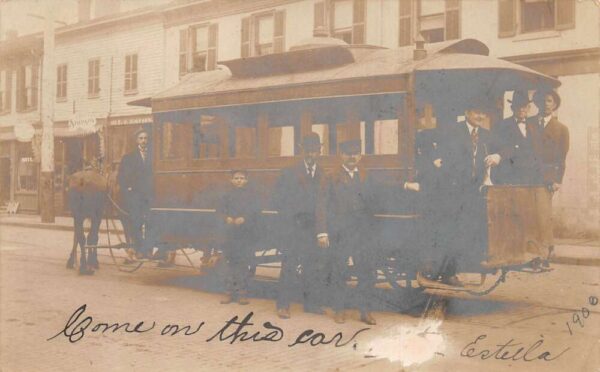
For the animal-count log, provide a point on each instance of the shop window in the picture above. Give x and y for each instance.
(207, 139)
(27, 169)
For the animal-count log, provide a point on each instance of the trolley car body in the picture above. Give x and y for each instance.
(251, 113)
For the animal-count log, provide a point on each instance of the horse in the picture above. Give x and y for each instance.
(87, 195)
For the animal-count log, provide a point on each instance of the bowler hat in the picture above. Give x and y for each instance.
(351, 147)
(540, 95)
(520, 98)
(311, 141)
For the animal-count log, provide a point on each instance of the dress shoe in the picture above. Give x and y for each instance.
(227, 300)
(367, 318)
(243, 301)
(283, 313)
(339, 317)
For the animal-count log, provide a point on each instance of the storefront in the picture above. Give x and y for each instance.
(120, 135)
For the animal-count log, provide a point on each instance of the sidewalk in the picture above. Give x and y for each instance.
(582, 252)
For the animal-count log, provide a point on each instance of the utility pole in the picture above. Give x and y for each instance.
(47, 114)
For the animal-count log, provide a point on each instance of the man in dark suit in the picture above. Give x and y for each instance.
(519, 144)
(296, 198)
(467, 152)
(137, 191)
(345, 229)
(554, 138)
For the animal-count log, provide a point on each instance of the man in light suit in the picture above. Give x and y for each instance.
(302, 262)
(554, 138)
(137, 191)
(519, 144)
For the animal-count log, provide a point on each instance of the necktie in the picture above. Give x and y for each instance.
(474, 141)
(522, 128)
(143, 154)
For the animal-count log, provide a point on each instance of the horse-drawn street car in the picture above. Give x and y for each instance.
(251, 113)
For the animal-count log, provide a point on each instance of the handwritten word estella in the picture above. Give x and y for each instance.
(510, 350)
(235, 330)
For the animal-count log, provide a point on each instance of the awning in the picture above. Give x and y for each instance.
(66, 132)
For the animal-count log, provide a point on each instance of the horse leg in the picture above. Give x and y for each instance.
(83, 267)
(73, 255)
(92, 239)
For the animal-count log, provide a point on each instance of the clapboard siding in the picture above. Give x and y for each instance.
(111, 46)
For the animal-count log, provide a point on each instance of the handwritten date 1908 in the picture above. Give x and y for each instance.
(580, 315)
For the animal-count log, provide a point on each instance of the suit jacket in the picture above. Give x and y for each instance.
(135, 179)
(460, 172)
(295, 196)
(554, 149)
(345, 205)
(521, 162)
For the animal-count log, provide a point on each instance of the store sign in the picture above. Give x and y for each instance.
(132, 120)
(24, 132)
(87, 125)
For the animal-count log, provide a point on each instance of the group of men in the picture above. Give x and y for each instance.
(326, 220)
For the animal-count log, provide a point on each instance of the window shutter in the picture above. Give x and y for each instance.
(452, 20)
(320, 20)
(34, 84)
(8, 90)
(279, 31)
(564, 14)
(213, 30)
(183, 51)
(405, 22)
(358, 22)
(245, 37)
(507, 18)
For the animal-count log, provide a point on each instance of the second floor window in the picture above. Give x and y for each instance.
(525, 16)
(131, 73)
(198, 48)
(93, 78)
(27, 87)
(5, 90)
(342, 19)
(263, 33)
(61, 81)
(434, 20)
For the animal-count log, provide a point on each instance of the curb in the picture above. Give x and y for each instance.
(49, 226)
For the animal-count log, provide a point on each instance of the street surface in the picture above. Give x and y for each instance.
(551, 314)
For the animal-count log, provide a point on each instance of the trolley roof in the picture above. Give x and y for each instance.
(332, 70)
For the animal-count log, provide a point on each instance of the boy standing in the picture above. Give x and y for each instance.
(239, 210)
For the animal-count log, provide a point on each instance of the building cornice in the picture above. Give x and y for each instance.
(561, 63)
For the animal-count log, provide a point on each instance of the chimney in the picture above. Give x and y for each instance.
(84, 10)
(419, 53)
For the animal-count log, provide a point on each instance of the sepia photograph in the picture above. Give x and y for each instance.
(299, 185)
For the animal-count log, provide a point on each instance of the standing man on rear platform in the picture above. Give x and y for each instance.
(137, 191)
(302, 262)
(554, 138)
(345, 214)
(519, 144)
(467, 152)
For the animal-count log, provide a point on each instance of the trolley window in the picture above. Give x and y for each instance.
(207, 138)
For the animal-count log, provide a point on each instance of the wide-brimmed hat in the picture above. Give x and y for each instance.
(520, 98)
(540, 95)
(350, 147)
(311, 141)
